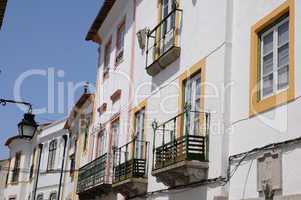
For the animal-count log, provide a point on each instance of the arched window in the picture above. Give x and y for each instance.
(51, 155)
(52, 196)
(40, 197)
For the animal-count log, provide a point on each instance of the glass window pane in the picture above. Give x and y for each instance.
(283, 55)
(283, 34)
(268, 43)
(267, 64)
(267, 85)
(283, 77)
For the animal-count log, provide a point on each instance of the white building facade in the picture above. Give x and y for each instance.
(54, 139)
(37, 164)
(196, 99)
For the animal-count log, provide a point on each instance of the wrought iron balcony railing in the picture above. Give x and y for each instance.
(162, 43)
(92, 174)
(130, 161)
(184, 137)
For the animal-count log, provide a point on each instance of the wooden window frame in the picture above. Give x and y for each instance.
(256, 104)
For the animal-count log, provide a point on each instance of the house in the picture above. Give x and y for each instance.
(196, 99)
(151, 96)
(49, 181)
(37, 163)
(79, 124)
(23, 151)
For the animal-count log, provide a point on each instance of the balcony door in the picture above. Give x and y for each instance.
(115, 128)
(192, 101)
(139, 131)
(101, 143)
(168, 25)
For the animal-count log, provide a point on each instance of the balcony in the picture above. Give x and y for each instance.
(130, 169)
(92, 179)
(163, 44)
(180, 153)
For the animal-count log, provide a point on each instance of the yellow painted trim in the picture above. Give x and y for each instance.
(177, 36)
(255, 105)
(141, 105)
(158, 32)
(199, 67)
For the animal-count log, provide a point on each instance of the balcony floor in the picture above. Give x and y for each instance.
(181, 173)
(131, 187)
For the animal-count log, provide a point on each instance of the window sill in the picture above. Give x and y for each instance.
(271, 102)
(14, 183)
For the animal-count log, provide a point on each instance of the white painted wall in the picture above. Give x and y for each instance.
(24, 186)
(220, 31)
(277, 125)
(199, 39)
(48, 182)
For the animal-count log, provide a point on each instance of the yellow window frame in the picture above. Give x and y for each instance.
(257, 105)
(199, 67)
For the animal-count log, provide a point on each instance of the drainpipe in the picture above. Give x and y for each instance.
(38, 173)
(131, 70)
(62, 168)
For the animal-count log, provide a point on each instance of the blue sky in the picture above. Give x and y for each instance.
(44, 36)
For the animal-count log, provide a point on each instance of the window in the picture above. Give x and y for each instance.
(107, 57)
(86, 123)
(120, 43)
(85, 138)
(72, 164)
(192, 99)
(101, 142)
(139, 133)
(272, 59)
(32, 164)
(52, 196)
(40, 197)
(115, 132)
(115, 128)
(192, 89)
(16, 169)
(51, 155)
(167, 28)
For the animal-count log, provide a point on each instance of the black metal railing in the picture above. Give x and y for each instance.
(183, 137)
(130, 161)
(92, 174)
(162, 38)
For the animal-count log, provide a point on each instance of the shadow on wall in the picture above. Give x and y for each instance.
(191, 194)
(194, 2)
(165, 74)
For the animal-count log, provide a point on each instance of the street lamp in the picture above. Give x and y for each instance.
(28, 126)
